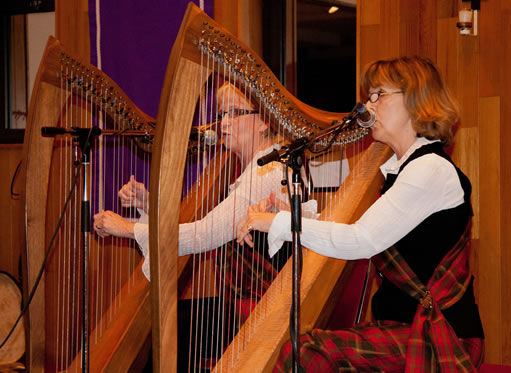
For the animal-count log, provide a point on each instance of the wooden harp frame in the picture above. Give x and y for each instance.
(181, 90)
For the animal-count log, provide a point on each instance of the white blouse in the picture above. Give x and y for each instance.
(427, 185)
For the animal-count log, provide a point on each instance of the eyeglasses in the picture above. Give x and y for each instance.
(234, 113)
(373, 97)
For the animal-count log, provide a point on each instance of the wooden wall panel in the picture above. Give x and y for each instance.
(488, 269)
(72, 27)
(388, 36)
(243, 18)
(492, 43)
(369, 11)
(366, 38)
(446, 52)
(505, 56)
(410, 26)
(11, 231)
(427, 28)
(463, 64)
(446, 8)
(226, 13)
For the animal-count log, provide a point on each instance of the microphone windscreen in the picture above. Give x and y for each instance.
(366, 118)
(209, 137)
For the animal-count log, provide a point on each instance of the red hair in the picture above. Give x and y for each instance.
(433, 110)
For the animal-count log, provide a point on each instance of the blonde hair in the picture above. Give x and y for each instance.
(433, 110)
(269, 132)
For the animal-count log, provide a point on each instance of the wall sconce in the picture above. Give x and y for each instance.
(468, 19)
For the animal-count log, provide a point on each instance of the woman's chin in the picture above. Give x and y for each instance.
(227, 141)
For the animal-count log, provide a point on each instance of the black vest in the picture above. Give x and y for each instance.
(423, 249)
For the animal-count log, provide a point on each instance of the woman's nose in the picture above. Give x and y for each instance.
(370, 105)
(225, 122)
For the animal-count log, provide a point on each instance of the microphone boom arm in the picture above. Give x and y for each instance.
(282, 154)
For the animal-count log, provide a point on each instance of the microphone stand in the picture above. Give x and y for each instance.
(292, 156)
(85, 138)
(296, 162)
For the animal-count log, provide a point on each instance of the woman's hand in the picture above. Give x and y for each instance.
(258, 221)
(134, 194)
(259, 218)
(270, 204)
(108, 223)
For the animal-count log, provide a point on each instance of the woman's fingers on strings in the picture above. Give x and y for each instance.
(269, 204)
(127, 197)
(248, 240)
(261, 206)
(278, 204)
(243, 232)
(99, 224)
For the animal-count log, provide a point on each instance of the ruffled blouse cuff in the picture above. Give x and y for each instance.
(280, 231)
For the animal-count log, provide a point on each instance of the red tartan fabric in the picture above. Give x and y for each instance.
(365, 348)
(432, 340)
(427, 345)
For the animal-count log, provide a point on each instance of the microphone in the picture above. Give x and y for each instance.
(204, 135)
(93, 131)
(73, 131)
(365, 117)
(284, 151)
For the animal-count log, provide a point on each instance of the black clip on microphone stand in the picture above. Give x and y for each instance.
(292, 156)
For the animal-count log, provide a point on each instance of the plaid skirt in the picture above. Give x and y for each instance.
(367, 347)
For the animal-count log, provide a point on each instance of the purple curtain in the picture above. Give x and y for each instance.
(132, 42)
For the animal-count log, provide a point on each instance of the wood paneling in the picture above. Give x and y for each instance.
(447, 8)
(389, 36)
(410, 26)
(11, 219)
(427, 29)
(505, 131)
(491, 43)
(72, 27)
(489, 275)
(243, 18)
(369, 12)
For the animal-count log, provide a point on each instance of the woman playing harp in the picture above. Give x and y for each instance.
(415, 232)
(248, 136)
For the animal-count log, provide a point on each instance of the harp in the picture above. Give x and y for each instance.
(69, 94)
(203, 50)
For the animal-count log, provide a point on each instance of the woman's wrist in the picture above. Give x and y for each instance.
(130, 230)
